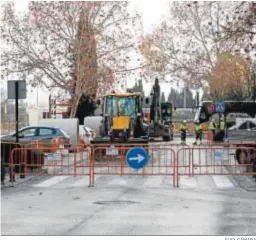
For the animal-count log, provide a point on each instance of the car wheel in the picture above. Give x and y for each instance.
(242, 157)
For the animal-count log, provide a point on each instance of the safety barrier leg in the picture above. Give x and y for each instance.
(11, 170)
(75, 173)
(22, 164)
(176, 169)
(91, 167)
(254, 169)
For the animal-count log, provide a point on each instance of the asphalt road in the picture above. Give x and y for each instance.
(130, 205)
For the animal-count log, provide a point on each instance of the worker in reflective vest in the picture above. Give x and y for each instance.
(222, 124)
(222, 128)
(212, 126)
(183, 131)
(199, 132)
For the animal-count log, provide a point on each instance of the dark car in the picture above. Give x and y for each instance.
(37, 133)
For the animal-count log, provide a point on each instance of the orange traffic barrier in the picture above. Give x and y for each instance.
(107, 159)
(6, 149)
(35, 162)
(55, 143)
(215, 160)
(209, 138)
(81, 142)
(111, 160)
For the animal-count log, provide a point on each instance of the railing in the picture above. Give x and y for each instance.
(170, 161)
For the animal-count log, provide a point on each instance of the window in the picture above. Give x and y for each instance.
(29, 132)
(46, 131)
(121, 105)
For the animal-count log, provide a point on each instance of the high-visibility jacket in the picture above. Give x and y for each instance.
(183, 127)
(199, 128)
(222, 125)
(212, 126)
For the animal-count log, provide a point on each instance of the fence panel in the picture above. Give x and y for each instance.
(109, 160)
(38, 161)
(216, 160)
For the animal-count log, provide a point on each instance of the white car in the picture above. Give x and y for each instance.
(87, 134)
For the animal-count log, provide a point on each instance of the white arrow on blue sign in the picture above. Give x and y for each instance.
(220, 107)
(137, 158)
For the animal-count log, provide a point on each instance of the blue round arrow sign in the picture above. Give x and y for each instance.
(137, 158)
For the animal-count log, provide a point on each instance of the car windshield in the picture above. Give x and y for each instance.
(121, 106)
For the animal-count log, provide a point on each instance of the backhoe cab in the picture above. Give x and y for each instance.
(123, 117)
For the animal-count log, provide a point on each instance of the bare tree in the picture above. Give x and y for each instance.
(65, 44)
(187, 45)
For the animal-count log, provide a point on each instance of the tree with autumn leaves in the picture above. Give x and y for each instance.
(229, 78)
(203, 44)
(74, 47)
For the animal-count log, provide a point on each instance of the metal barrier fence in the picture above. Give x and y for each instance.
(6, 149)
(171, 161)
(38, 161)
(216, 160)
(107, 160)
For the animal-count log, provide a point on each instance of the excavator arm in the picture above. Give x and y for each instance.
(160, 115)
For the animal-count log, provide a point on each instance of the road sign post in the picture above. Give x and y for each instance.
(220, 107)
(17, 90)
(17, 110)
(137, 158)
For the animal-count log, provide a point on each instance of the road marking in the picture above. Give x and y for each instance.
(222, 182)
(188, 182)
(80, 181)
(51, 181)
(118, 181)
(153, 181)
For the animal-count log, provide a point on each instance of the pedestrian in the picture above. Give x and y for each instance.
(199, 132)
(183, 131)
(212, 127)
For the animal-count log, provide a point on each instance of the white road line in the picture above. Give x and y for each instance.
(222, 182)
(80, 182)
(117, 182)
(187, 182)
(153, 181)
(51, 181)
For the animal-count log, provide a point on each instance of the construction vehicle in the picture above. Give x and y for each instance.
(207, 109)
(160, 115)
(121, 119)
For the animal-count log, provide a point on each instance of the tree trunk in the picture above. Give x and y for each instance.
(74, 105)
(85, 61)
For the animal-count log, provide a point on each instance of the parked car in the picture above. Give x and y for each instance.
(37, 133)
(244, 130)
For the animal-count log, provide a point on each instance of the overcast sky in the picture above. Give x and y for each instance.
(152, 14)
